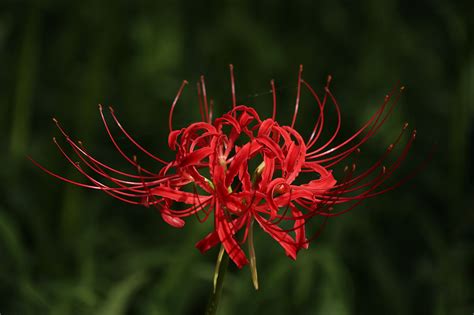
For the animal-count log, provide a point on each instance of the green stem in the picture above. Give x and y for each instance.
(221, 268)
(26, 79)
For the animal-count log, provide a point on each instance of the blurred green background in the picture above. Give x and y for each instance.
(66, 250)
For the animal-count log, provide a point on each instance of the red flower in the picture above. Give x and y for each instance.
(240, 169)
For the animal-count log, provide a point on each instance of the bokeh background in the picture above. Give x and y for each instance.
(66, 250)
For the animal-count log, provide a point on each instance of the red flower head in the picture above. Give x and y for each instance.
(240, 169)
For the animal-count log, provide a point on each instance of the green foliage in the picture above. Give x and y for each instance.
(64, 250)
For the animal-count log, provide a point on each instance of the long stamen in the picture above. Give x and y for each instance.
(383, 157)
(377, 182)
(109, 190)
(338, 126)
(272, 83)
(112, 138)
(117, 122)
(377, 120)
(201, 106)
(317, 129)
(204, 96)
(81, 149)
(67, 180)
(298, 93)
(170, 117)
(232, 85)
(211, 108)
(97, 169)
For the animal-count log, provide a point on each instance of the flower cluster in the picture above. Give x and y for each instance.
(242, 170)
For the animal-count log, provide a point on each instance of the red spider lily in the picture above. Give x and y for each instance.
(240, 169)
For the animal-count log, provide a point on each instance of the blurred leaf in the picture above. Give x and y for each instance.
(117, 300)
(26, 77)
(10, 237)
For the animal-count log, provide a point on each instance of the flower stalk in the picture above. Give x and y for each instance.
(219, 275)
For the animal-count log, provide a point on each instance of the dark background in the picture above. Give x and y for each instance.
(66, 250)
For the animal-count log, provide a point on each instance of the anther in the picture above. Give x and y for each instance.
(329, 79)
